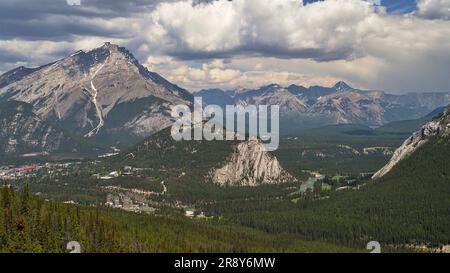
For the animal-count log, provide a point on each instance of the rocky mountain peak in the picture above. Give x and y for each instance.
(273, 86)
(116, 49)
(110, 46)
(342, 86)
(107, 47)
(99, 91)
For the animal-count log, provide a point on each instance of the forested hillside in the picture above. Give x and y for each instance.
(30, 224)
(409, 206)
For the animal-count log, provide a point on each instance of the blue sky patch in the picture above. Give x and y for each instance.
(392, 6)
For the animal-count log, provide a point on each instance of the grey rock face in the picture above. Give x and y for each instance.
(438, 126)
(24, 132)
(250, 165)
(99, 92)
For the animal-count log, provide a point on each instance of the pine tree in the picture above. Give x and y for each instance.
(6, 194)
(25, 198)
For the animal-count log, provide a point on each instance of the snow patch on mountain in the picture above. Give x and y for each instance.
(98, 108)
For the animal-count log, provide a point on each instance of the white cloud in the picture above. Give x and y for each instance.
(255, 42)
(434, 9)
(212, 73)
(245, 72)
(282, 40)
(322, 30)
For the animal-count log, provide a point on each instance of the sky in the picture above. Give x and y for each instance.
(394, 45)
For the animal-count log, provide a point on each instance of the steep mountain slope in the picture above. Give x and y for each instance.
(439, 126)
(23, 132)
(103, 93)
(348, 107)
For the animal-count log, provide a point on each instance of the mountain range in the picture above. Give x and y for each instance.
(106, 97)
(318, 106)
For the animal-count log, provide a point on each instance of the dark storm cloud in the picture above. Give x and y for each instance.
(318, 55)
(28, 9)
(53, 29)
(8, 57)
(55, 19)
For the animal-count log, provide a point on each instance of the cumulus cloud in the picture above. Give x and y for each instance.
(195, 76)
(434, 9)
(243, 72)
(347, 39)
(322, 31)
(201, 43)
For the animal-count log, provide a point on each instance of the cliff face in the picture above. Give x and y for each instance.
(439, 126)
(250, 165)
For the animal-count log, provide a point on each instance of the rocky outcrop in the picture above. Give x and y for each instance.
(438, 126)
(250, 165)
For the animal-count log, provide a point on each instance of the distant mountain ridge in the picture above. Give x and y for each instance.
(273, 94)
(340, 104)
(410, 125)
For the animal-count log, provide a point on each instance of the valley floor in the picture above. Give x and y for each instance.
(172, 209)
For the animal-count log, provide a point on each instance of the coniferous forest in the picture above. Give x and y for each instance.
(408, 207)
(30, 224)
